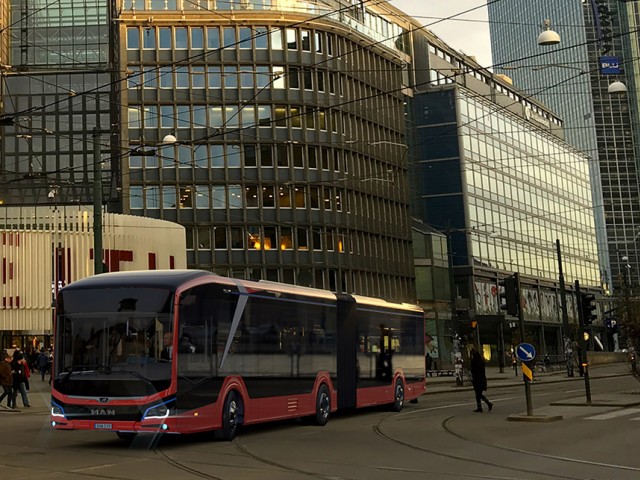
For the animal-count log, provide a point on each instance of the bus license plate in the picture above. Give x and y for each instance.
(103, 426)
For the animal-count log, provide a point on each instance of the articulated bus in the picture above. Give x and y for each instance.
(186, 351)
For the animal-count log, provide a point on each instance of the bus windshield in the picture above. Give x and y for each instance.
(113, 342)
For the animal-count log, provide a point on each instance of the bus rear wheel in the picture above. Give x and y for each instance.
(323, 405)
(230, 416)
(398, 396)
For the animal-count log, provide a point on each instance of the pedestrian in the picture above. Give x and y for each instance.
(6, 379)
(18, 370)
(479, 380)
(43, 363)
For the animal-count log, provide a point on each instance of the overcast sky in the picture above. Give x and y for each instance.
(470, 36)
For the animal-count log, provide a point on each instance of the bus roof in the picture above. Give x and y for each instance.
(149, 278)
(378, 302)
(173, 279)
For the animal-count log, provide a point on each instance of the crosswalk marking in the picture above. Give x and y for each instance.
(616, 413)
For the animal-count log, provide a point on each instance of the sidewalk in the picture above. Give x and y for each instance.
(508, 378)
(39, 395)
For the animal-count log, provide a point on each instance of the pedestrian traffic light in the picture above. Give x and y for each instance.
(509, 295)
(588, 301)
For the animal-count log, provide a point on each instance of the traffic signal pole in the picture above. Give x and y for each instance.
(568, 354)
(582, 340)
(527, 383)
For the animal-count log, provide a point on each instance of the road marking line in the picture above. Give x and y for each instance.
(617, 413)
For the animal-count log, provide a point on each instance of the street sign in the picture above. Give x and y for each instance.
(525, 352)
(527, 372)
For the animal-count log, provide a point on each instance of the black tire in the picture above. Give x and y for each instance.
(398, 396)
(323, 405)
(231, 415)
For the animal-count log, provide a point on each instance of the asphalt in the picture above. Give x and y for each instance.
(40, 393)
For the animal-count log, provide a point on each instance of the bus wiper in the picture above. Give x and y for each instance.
(135, 374)
(78, 368)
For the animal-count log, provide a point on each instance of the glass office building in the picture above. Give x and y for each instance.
(288, 116)
(493, 173)
(572, 79)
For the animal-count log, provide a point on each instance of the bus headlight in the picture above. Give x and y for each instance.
(157, 411)
(56, 410)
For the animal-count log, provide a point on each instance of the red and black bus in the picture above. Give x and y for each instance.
(185, 351)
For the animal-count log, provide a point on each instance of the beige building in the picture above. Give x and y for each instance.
(42, 249)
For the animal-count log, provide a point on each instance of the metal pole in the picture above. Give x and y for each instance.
(527, 384)
(565, 317)
(583, 344)
(97, 203)
(455, 337)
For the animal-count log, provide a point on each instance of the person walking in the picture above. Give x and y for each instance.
(479, 380)
(18, 369)
(43, 363)
(6, 379)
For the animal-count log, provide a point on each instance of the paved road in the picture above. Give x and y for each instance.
(438, 438)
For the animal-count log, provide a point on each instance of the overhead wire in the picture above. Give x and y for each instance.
(338, 104)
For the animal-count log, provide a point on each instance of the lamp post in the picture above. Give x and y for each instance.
(97, 203)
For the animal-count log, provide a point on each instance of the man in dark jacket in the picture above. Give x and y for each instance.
(479, 380)
(6, 379)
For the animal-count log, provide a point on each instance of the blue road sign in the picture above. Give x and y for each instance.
(525, 352)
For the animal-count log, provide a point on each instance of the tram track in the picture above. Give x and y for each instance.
(444, 424)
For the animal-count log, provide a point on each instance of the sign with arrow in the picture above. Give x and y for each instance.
(525, 352)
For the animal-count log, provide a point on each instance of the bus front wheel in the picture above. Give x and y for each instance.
(231, 416)
(323, 405)
(398, 396)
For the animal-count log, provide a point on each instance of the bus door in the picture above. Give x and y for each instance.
(347, 364)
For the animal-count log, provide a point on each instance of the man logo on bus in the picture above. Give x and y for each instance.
(102, 411)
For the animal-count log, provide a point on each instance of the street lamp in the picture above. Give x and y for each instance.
(548, 36)
(617, 88)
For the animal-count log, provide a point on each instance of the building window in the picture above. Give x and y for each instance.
(276, 39)
(292, 40)
(186, 197)
(202, 197)
(165, 38)
(260, 36)
(133, 38)
(213, 38)
(305, 40)
(182, 42)
(245, 38)
(197, 38)
(149, 39)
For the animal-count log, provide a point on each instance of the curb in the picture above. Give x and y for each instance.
(454, 388)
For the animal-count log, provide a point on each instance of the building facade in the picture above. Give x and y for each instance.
(45, 248)
(288, 118)
(497, 178)
(596, 49)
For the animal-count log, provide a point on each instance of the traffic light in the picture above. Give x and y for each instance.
(509, 295)
(588, 302)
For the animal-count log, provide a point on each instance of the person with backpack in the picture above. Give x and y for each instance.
(19, 372)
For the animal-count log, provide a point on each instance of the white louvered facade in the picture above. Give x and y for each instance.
(45, 248)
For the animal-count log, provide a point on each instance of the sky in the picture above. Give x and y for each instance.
(470, 37)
